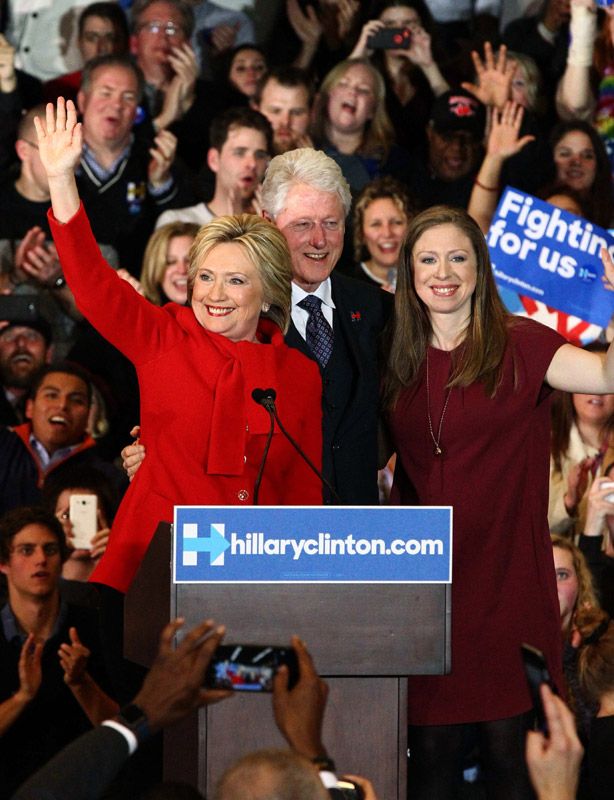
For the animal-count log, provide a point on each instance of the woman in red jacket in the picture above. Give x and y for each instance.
(197, 365)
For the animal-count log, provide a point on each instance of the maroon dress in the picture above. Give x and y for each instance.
(494, 473)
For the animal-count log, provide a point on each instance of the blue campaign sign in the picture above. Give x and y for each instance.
(312, 544)
(551, 255)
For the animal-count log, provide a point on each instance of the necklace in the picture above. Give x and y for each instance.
(436, 441)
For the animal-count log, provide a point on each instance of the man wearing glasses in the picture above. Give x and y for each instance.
(51, 665)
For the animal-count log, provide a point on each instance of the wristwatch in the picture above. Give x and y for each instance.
(133, 717)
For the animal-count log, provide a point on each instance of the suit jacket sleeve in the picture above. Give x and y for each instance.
(82, 771)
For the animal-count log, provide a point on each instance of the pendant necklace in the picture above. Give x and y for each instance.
(436, 441)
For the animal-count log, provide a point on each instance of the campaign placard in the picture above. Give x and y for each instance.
(550, 255)
(312, 544)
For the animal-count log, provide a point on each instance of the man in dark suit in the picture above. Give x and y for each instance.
(306, 196)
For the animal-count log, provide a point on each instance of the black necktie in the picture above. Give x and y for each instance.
(319, 332)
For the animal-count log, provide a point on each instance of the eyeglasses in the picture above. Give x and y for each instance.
(27, 550)
(32, 144)
(155, 26)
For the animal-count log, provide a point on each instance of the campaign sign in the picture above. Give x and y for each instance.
(551, 255)
(312, 544)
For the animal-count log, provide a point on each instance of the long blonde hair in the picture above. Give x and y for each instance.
(378, 134)
(154, 261)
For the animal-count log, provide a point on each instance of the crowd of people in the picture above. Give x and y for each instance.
(192, 208)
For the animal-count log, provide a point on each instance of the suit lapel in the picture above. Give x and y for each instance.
(294, 339)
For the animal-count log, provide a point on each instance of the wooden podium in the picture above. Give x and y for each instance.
(365, 640)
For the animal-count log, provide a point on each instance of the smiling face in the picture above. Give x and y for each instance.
(175, 280)
(59, 411)
(109, 107)
(575, 160)
(313, 223)
(567, 585)
(35, 563)
(227, 296)
(287, 109)
(351, 101)
(445, 271)
(247, 67)
(241, 163)
(593, 409)
(23, 351)
(452, 155)
(383, 230)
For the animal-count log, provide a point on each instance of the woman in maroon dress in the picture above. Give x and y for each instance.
(466, 392)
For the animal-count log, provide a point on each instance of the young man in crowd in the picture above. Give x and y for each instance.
(51, 667)
(241, 143)
(54, 436)
(284, 97)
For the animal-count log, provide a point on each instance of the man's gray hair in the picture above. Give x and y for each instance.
(305, 165)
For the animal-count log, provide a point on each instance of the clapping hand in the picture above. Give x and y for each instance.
(162, 157)
(73, 659)
(8, 80)
(305, 23)
(30, 672)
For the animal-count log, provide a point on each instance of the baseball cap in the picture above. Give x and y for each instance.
(458, 111)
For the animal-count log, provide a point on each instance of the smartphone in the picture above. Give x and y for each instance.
(346, 790)
(390, 39)
(536, 670)
(18, 308)
(83, 514)
(249, 667)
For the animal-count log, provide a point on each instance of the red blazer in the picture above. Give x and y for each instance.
(203, 432)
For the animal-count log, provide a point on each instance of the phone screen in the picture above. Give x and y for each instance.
(248, 668)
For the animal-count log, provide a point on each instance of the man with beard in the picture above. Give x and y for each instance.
(284, 97)
(25, 346)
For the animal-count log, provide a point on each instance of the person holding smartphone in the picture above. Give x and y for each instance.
(412, 75)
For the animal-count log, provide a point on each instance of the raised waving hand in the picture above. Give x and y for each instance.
(60, 140)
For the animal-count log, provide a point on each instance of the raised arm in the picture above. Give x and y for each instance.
(575, 370)
(503, 142)
(60, 141)
(574, 95)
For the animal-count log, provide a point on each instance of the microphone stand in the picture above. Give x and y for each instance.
(266, 398)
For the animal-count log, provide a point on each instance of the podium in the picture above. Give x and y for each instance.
(365, 640)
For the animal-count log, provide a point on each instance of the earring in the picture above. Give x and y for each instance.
(265, 307)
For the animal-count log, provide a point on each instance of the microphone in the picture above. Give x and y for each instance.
(266, 398)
